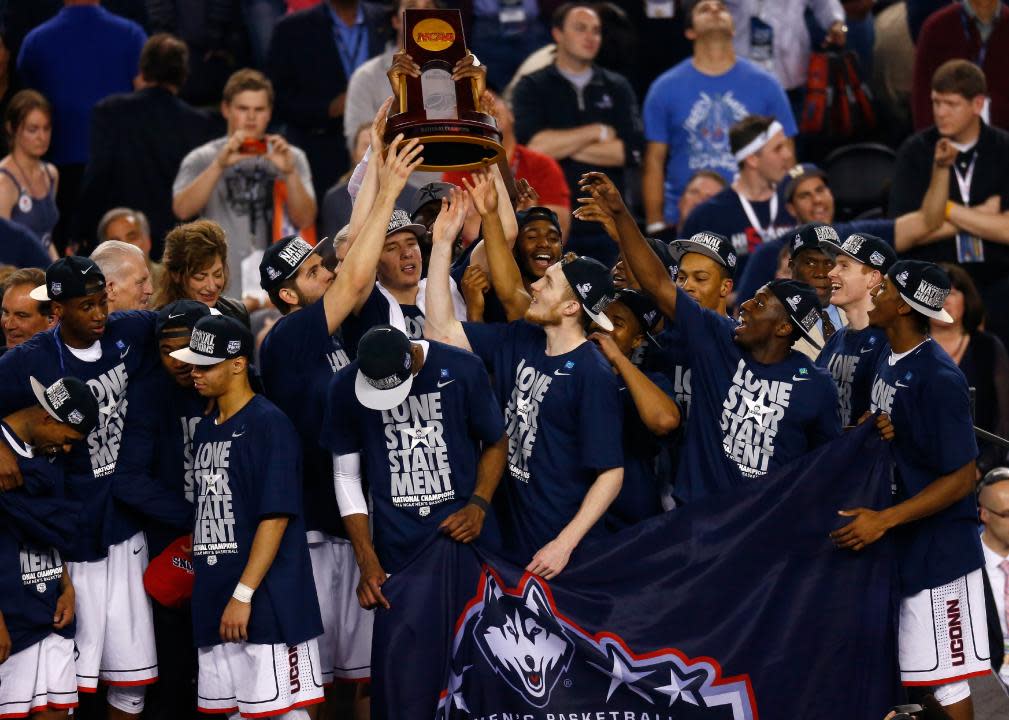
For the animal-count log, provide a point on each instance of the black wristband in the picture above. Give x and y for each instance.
(479, 502)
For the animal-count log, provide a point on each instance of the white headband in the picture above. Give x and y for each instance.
(757, 144)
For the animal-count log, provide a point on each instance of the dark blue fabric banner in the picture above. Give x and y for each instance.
(734, 607)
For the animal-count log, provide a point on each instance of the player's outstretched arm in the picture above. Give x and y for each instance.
(645, 264)
(465, 525)
(440, 322)
(265, 543)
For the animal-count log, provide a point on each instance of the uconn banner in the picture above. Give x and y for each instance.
(733, 608)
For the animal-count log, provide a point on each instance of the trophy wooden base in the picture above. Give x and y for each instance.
(456, 144)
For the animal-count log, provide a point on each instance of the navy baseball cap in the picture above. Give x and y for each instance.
(710, 244)
(432, 192)
(68, 278)
(537, 212)
(814, 236)
(666, 254)
(384, 368)
(283, 258)
(801, 304)
(182, 314)
(592, 285)
(868, 250)
(216, 338)
(799, 173)
(642, 306)
(924, 286)
(69, 401)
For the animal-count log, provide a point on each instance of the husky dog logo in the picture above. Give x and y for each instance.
(584, 289)
(234, 346)
(902, 278)
(523, 641)
(877, 258)
(793, 302)
(55, 288)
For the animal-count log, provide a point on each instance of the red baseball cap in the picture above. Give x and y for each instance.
(169, 577)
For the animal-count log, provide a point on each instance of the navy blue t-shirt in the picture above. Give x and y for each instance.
(763, 262)
(248, 469)
(927, 398)
(30, 569)
(297, 360)
(851, 356)
(377, 311)
(724, 214)
(420, 458)
(641, 494)
(109, 461)
(564, 419)
(19, 247)
(746, 418)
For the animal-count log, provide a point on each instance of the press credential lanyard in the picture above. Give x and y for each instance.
(752, 216)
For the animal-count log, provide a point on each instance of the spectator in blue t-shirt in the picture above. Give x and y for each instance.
(689, 109)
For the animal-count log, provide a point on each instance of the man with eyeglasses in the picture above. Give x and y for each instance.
(993, 499)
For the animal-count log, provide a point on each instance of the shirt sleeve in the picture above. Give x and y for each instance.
(486, 339)
(600, 421)
(304, 171)
(656, 113)
(947, 425)
(630, 129)
(192, 165)
(910, 177)
(780, 108)
(827, 423)
(486, 422)
(278, 466)
(340, 431)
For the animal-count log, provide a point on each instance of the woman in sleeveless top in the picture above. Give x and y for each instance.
(27, 183)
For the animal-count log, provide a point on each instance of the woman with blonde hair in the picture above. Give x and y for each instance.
(195, 264)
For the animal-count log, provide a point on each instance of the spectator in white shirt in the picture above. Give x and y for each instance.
(994, 504)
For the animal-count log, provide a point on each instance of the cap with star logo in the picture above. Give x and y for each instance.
(592, 285)
(384, 368)
(69, 401)
(70, 277)
(924, 286)
(216, 338)
(800, 303)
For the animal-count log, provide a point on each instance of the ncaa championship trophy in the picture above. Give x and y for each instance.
(443, 113)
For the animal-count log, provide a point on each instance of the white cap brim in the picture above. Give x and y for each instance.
(40, 293)
(940, 315)
(374, 399)
(599, 319)
(40, 394)
(188, 356)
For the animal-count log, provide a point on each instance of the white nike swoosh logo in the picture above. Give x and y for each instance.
(796, 378)
(125, 352)
(558, 372)
(865, 350)
(237, 434)
(85, 271)
(176, 315)
(900, 385)
(447, 382)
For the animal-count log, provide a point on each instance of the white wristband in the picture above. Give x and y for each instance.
(604, 133)
(243, 593)
(655, 227)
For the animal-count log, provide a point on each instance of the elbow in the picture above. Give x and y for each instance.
(665, 423)
(179, 208)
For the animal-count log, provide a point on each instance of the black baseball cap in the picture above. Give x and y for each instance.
(801, 172)
(923, 285)
(666, 254)
(384, 368)
(70, 401)
(283, 258)
(537, 212)
(710, 244)
(801, 304)
(814, 236)
(68, 278)
(182, 314)
(216, 338)
(432, 192)
(868, 250)
(642, 306)
(592, 285)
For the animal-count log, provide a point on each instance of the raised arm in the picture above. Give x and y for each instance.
(505, 277)
(440, 322)
(657, 410)
(369, 185)
(356, 278)
(644, 263)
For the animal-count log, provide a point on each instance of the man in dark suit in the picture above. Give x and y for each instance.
(138, 141)
(312, 55)
(993, 502)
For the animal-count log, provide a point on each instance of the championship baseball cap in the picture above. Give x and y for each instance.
(182, 314)
(643, 308)
(68, 278)
(169, 577)
(801, 304)
(432, 192)
(710, 244)
(70, 401)
(814, 236)
(666, 254)
(537, 212)
(868, 250)
(400, 222)
(216, 338)
(283, 258)
(592, 285)
(384, 368)
(797, 174)
(923, 285)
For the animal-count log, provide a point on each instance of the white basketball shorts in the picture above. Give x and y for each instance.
(40, 677)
